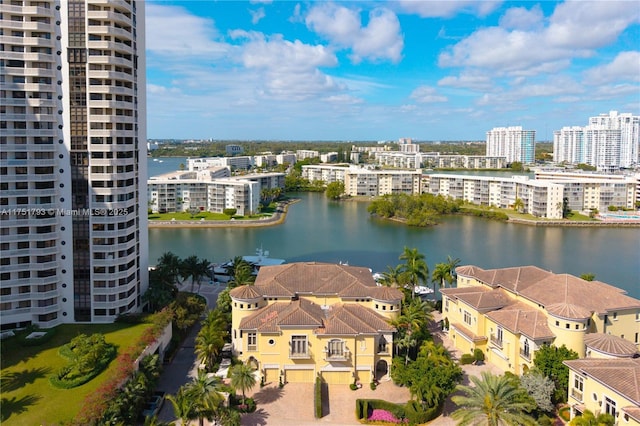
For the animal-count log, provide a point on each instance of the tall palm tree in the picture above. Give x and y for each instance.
(182, 405)
(452, 264)
(242, 276)
(413, 318)
(204, 391)
(170, 263)
(415, 266)
(242, 379)
(392, 277)
(440, 275)
(493, 401)
(195, 268)
(208, 343)
(518, 205)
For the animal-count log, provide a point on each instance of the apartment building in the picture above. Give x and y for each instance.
(360, 181)
(608, 141)
(72, 114)
(304, 320)
(513, 143)
(303, 154)
(586, 191)
(509, 313)
(211, 190)
(539, 198)
(234, 163)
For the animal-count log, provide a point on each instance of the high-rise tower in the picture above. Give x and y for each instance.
(73, 234)
(513, 143)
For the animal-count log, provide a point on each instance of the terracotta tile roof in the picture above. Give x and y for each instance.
(346, 319)
(316, 278)
(621, 375)
(388, 294)
(522, 319)
(481, 298)
(633, 412)
(610, 344)
(245, 292)
(568, 311)
(468, 333)
(546, 289)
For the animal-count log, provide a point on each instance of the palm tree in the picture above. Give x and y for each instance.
(205, 396)
(182, 405)
(392, 277)
(440, 275)
(493, 401)
(518, 205)
(194, 268)
(452, 264)
(589, 419)
(415, 267)
(242, 276)
(242, 378)
(414, 317)
(208, 343)
(170, 263)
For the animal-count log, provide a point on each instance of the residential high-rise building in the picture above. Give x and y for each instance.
(608, 141)
(513, 143)
(73, 239)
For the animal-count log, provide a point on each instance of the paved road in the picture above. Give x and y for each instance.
(184, 366)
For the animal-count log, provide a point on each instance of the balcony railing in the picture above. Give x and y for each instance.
(576, 394)
(525, 354)
(496, 341)
(252, 348)
(337, 356)
(299, 355)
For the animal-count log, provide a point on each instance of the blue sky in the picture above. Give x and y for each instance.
(365, 70)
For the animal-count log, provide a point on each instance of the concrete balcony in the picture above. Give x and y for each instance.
(299, 355)
(496, 341)
(525, 354)
(576, 394)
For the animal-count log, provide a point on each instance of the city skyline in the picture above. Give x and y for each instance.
(264, 70)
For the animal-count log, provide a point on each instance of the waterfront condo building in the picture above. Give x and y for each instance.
(510, 313)
(73, 233)
(304, 320)
(608, 141)
(513, 143)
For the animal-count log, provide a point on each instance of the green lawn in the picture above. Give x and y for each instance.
(202, 215)
(27, 396)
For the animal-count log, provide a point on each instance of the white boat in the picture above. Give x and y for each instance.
(421, 290)
(260, 259)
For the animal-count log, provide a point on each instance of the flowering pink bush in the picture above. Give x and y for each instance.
(383, 416)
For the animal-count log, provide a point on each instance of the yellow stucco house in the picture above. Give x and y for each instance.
(606, 386)
(509, 313)
(303, 320)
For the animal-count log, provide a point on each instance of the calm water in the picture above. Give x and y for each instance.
(319, 230)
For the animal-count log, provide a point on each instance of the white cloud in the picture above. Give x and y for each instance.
(575, 30)
(343, 100)
(625, 67)
(468, 80)
(521, 18)
(427, 94)
(257, 15)
(171, 30)
(449, 8)
(379, 40)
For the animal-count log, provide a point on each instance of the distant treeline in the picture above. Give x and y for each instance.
(178, 148)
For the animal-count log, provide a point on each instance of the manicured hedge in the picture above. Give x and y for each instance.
(317, 397)
(364, 405)
(417, 415)
(467, 359)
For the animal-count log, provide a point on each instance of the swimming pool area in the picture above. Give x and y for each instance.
(620, 216)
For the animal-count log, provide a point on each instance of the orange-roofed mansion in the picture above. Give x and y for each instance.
(509, 313)
(303, 320)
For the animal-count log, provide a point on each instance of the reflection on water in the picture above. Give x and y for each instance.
(319, 230)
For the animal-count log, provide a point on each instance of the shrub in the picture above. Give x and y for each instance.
(466, 359)
(417, 414)
(373, 385)
(317, 397)
(478, 355)
(353, 386)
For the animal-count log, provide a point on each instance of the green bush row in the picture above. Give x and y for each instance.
(488, 214)
(58, 380)
(363, 406)
(416, 414)
(413, 411)
(467, 359)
